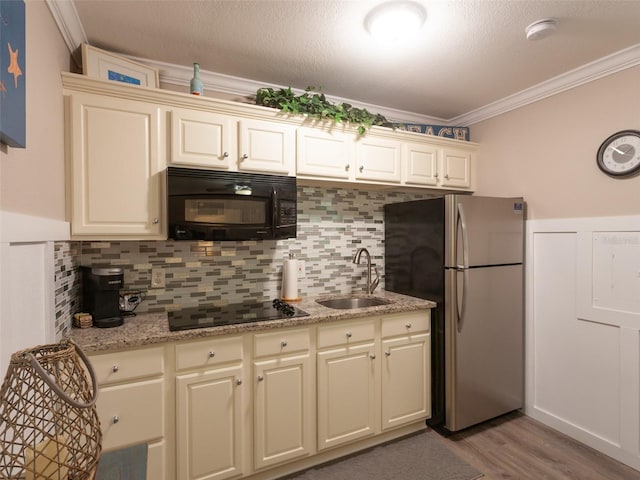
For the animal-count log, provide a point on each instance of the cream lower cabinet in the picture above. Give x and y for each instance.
(283, 391)
(131, 404)
(114, 169)
(406, 347)
(209, 404)
(347, 380)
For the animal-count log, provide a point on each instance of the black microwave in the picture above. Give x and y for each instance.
(215, 205)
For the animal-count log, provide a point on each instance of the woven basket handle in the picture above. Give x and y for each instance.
(54, 386)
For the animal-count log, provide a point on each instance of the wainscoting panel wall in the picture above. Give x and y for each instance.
(583, 330)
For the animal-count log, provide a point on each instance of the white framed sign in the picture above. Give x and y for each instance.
(105, 65)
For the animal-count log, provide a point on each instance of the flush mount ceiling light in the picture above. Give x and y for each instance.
(541, 28)
(396, 21)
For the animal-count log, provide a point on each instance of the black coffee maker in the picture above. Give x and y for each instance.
(101, 295)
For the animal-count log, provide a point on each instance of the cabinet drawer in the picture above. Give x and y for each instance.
(346, 333)
(208, 352)
(128, 365)
(131, 413)
(405, 323)
(281, 342)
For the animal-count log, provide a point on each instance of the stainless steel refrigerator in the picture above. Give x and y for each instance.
(465, 253)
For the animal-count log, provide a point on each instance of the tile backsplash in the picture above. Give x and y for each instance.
(332, 224)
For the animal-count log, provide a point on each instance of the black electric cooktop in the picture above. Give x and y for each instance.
(215, 316)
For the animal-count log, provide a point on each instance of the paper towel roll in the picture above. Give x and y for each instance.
(290, 279)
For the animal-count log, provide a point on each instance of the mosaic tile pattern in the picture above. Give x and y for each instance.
(67, 284)
(332, 224)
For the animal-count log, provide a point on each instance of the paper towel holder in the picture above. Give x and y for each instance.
(289, 291)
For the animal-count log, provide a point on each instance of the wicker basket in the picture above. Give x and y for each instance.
(49, 428)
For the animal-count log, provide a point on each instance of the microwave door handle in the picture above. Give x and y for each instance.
(274, 210)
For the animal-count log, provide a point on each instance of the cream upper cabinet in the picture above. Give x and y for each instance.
(406, 347)
(324, 153)
(456, 168)
(266, 146)
(430, 165)
(203, 139)
(209, 409)
(347, 380)
(283, 391)
(116, 188)
(378, 159)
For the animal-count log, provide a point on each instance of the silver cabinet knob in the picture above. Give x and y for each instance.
(388, 354)
(156, 221)
(347, 167)
(225, 154)
(244, 157)
(446, 176)
(372, 357)
(349, 334)
(115, 369)
(115, 419)
(435, 175)
(408, 325)
(212, 354)
(283, 343)
(260, 378)
(361, 168)
(238, 382)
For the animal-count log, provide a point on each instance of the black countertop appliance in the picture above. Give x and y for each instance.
(101, 295)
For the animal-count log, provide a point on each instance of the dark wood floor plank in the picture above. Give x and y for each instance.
(517, 447)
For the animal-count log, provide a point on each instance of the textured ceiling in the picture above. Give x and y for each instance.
(470, 53)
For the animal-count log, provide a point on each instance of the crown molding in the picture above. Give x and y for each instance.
(68, 21)
(66, 17)
(616, 62)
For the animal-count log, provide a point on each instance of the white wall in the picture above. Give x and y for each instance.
(583, 281)
(32, 198)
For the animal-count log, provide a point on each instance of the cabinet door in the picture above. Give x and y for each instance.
(456, 168)
(406, 379)
(131, 413)
(378, 159)
(202, 139)
(209, 424)
(421, 164)
(116, 188)
(323, 153)
(266, 147)
(346, 394)
(283, 416)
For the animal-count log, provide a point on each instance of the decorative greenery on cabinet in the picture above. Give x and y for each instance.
(314, 104)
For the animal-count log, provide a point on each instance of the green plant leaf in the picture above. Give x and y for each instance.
(314, 104)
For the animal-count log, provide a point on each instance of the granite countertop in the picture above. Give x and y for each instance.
(152, 328)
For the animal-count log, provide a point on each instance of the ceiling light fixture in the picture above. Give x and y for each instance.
(396, 21)
(541, 28)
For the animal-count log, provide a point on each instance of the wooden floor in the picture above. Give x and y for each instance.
(518, 447)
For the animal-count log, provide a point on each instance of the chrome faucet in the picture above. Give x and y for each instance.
(371, 286)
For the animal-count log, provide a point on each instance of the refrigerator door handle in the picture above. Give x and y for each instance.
(462, 224)
(464, 268)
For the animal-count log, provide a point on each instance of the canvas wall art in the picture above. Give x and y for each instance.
(13, 73)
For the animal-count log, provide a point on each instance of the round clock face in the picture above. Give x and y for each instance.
(619, 155)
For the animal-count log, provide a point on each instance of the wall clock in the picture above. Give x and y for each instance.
(619, 155)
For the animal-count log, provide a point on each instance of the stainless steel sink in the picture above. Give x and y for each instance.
(352, 302)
